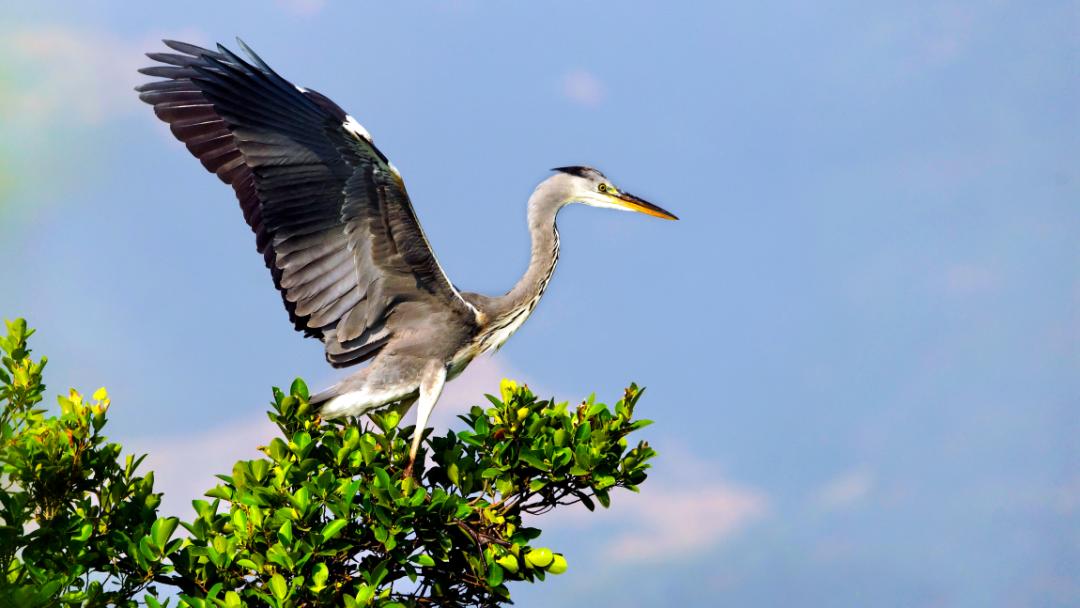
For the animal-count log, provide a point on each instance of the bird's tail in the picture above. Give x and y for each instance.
(321, 397)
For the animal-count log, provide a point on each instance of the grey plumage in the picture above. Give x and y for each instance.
(335, 226)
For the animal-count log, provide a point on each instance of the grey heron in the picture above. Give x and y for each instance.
(338, 233)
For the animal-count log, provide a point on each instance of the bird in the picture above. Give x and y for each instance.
(337, 230)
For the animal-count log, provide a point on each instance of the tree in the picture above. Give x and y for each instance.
(325, 518)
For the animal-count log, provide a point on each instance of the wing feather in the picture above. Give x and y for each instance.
(331, 216)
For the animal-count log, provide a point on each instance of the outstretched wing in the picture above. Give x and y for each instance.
(330, 215)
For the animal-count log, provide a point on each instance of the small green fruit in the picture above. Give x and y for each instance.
(509, 563)
(558, 565)
(540, 558)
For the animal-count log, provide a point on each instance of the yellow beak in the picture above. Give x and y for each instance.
(633, 203)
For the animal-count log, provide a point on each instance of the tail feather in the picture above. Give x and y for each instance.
(336, 403)
(325, 395)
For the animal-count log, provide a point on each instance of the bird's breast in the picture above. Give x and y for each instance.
(500, 330)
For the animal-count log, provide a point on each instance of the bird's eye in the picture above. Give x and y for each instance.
(602, 187)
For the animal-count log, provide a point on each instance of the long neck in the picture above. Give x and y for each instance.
(544, 256)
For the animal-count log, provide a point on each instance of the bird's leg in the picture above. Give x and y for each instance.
(431, 385)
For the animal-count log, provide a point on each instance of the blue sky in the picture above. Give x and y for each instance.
(860, 343)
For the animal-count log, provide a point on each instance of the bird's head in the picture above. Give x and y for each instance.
(588, 186)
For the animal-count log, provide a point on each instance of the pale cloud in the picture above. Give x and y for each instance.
(184, 466)
(676, 521)
(61, 75)
(583, 88)
(845, 490)
(683, 509)
(60, 87)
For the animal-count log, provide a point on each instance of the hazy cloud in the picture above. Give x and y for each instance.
(60, 87)
(845, 490)
(61, 75)
(676, 520)
(683, 509)
(583, 88)
(184, 465)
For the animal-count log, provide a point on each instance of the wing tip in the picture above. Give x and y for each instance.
(187, 48)
(253, 55)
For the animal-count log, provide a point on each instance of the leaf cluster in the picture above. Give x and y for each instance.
(326, 517)
(78, 526)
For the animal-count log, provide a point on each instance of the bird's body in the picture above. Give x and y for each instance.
(339, 235)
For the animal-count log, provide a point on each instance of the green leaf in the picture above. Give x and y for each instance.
(259, 468)
(247, 563)
(278, 587)
(559, 437)
(301, 499)
(481, 426)
(146, 551)
(84, 532)
(299, 388)
(319, 575)
(162, 530)
(285, 534)
(382, 478)
(604, 498)
(424, 560)
(333, 528)
(364, 594)
(278, 554)
(534, 460)
(221, 492)
(278, 449)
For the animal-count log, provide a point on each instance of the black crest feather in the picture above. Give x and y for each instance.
(579, 170)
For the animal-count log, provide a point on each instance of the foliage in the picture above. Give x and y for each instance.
(78, 526)
(326, 518)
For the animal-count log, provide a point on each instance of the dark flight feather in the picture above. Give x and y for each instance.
(331, 218)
